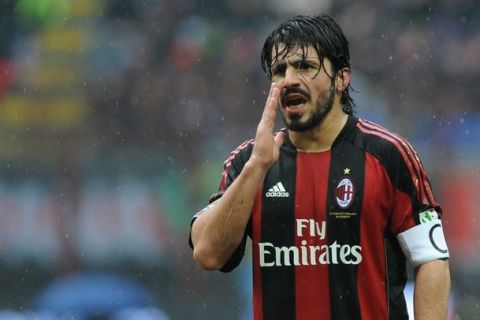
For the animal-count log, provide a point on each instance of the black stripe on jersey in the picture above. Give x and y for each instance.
(409, 152)
(343, 228)
(278, 283)
(396, 274)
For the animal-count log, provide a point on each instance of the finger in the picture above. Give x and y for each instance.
(276, 90)
(269, 114)
(273, 85)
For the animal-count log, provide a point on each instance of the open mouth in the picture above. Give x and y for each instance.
(294, 100)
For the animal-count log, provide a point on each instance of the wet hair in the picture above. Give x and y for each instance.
(324, 34)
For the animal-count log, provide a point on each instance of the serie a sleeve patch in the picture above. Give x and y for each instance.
(424, 242)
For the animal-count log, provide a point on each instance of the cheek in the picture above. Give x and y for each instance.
(323, 90)
(320, 84)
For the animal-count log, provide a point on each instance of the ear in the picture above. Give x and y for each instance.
(343, 79)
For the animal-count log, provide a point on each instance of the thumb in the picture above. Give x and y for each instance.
(279, 138)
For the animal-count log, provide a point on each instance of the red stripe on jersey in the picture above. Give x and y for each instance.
(257, 274)
(228, 163)
(416, 181)
(412, 155)
(400, 221)
(372, 274)
(311, 280)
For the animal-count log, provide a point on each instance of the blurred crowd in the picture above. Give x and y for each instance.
(116, 116)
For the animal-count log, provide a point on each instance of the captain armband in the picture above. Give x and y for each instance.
(424, 242)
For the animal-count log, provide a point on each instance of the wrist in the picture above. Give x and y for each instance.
(255, 168)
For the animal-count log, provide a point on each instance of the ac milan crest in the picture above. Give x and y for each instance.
(344, 193)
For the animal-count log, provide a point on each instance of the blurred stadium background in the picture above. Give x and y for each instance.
(116, 116)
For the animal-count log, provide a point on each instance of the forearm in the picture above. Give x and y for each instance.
(432, 287)
(217, 232)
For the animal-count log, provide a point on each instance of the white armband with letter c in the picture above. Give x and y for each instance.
(424, 242)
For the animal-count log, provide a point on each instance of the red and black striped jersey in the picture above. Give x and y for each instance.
(324, 226)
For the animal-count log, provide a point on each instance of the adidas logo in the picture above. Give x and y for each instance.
(277, 191)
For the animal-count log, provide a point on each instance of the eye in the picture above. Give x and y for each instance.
(303, 65)
(278, 70)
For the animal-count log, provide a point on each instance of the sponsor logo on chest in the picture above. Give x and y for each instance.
(312, 248)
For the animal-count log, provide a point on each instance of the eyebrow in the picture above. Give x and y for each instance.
(310, 60)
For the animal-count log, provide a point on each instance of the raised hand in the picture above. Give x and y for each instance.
(266, 149)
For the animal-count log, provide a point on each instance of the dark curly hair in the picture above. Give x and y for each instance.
(323, 33)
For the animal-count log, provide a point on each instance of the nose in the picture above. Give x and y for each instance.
(292, 77)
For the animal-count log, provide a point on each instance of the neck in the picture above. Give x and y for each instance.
(322, 136)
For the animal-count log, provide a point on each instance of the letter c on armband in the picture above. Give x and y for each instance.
(432, 240)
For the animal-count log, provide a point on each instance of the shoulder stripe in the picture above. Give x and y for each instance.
(409, 155)
(228, 162)
(413, 173)
(234, 153)
(413, 157)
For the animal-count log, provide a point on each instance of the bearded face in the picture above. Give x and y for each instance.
(309, 90)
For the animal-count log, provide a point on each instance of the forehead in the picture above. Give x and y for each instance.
(293, 51)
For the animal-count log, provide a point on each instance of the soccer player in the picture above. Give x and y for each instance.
(335, 205)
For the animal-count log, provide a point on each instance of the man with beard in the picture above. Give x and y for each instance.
(335, 205)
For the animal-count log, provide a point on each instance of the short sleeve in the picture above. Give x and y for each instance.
(416, 217)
